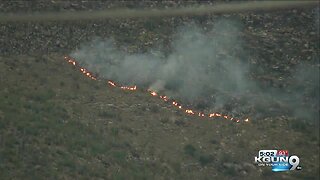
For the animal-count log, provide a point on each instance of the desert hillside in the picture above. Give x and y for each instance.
(57, 123)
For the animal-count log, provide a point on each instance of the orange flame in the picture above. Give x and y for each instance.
(133, 88)
(189, 111)
(164, 98)
(153, 93)
(112, 83)
(83, 70)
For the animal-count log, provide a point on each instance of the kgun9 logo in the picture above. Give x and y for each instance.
(279, 160)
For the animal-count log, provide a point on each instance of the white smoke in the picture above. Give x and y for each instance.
(200, 63)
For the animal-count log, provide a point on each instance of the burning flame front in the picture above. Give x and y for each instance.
(90, 75)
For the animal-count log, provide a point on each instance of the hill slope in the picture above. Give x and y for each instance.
(57, 123)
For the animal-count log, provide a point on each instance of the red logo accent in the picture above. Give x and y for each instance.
(282, 153)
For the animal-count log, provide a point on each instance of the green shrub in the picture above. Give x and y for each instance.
(205, 159)
(190, 150)
(230, 171)
(299, 125)
(42, 96)
(107, 114)
(154, 109)
(120, 156)
(115, 131)
(213, 141)
(62, 83)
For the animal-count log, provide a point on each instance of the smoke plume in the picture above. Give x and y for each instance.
(199, 62)
(203, 65)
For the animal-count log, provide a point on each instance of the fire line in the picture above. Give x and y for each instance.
(111, 83)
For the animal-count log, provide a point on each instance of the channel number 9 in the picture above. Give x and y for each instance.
(294, 162)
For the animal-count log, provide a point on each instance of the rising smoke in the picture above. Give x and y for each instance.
(199, 62)
(209, 66)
